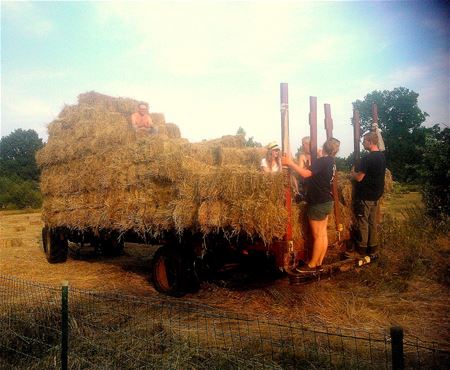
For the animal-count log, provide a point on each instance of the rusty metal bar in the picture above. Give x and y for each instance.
(356, 137)
(337, 210)
(375, 113)
(313, 126)
(328, 121)
(284, 106)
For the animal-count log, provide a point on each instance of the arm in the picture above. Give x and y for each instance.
(301, 160)
(303, 172)
(150, 121)
(133, 120)
(264, 167)
(357, 176)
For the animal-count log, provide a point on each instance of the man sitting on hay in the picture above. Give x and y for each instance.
(142, 122)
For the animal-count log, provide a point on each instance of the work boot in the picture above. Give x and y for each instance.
(373, 249)
(358, 252)
(363, 251)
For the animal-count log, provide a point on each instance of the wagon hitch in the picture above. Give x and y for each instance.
(331, 269)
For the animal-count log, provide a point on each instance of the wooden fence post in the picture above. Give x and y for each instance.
(64, 324)
(397, 348)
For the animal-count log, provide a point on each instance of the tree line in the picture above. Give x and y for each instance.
(19, 174)
(414, 153)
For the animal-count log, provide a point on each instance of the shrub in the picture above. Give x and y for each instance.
(18, 193)
(434, 170)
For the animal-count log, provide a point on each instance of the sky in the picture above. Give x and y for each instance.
(214, 66)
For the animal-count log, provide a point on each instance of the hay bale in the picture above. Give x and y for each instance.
(97, 173)
(158, 119)
(249, 157)
(227, 141)
(388, 182)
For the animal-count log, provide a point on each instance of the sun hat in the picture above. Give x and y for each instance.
(273, 146)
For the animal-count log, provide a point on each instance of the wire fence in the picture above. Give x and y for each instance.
(43, 327)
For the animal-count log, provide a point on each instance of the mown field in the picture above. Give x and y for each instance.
(407, 286)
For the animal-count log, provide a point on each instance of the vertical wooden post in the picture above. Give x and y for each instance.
(284, 108)
(337, 212)
(397, 348)
(313, 126)
(64, 324)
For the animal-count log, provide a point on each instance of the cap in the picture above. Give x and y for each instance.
(273, 145)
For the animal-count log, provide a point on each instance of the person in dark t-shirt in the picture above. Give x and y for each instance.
(319, 198)
(369, 187)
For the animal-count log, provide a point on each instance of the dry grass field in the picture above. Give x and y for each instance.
(396, 290)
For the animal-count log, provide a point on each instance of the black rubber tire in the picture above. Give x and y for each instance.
(55, 245)
(111, 245)
(173, 271)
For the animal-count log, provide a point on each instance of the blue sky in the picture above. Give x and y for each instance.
(212, 66)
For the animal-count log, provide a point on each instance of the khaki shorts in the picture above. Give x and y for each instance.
(319, 212)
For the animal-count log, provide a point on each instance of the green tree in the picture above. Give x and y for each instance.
(434, 172)
(17, 154)
(400, 120)
(250, 142)
(344, 164)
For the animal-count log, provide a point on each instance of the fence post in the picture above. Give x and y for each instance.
(64, 324)
(397, 348)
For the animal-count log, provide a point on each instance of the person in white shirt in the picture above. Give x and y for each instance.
(271, 163)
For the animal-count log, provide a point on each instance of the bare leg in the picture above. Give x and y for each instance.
(324, 241)
(318, 229)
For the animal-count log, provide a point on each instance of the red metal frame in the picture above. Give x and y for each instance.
(329, 130)
(284, 109)
(313, 126)
(356, 136)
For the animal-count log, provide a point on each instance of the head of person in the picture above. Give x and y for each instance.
(306, 145)
(273, 150)
(370, 139)
(143, 108)
(331, 147)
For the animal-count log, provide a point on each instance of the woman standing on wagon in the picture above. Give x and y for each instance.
(319, 198)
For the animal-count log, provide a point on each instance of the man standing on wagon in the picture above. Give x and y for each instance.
(369, 187)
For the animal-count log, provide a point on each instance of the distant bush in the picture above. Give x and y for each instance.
(17, 193)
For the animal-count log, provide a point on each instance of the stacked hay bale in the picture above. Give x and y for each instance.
(97, 173)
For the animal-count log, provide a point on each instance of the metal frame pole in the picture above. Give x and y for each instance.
(356, 137)
(313, 126)
(284, 108)
(329, 130)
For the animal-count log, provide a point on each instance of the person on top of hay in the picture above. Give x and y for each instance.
(271, 163)
(141, 120)
(369, 188)
(319, 198)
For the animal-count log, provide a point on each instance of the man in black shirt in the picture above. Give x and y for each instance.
(369, 187)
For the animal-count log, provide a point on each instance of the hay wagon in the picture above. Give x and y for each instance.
(205, 204)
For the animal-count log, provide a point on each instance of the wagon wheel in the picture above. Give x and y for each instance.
(55, 245)
(173, 272)
(111, 245)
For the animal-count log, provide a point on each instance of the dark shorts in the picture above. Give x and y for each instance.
(319, 212)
